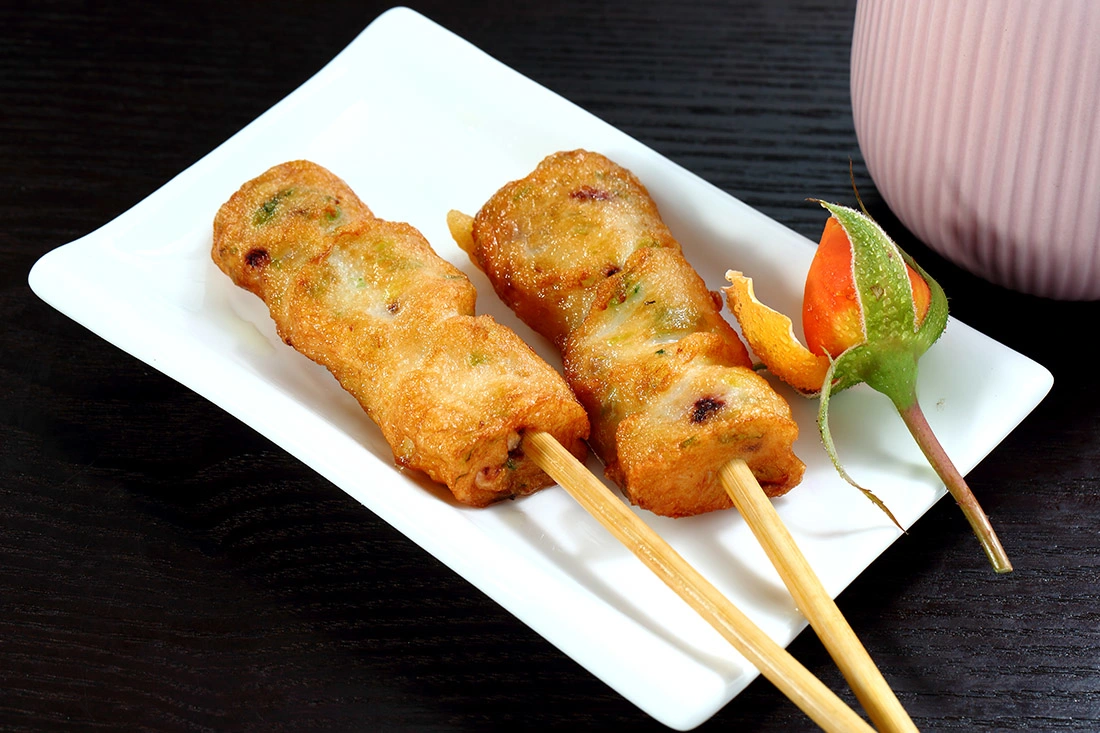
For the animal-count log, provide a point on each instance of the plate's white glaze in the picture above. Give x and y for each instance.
(418, 122)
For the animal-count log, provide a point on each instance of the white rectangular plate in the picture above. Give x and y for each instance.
(418, 122)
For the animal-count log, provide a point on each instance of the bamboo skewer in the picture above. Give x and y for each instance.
(868, 684)
(773, 661)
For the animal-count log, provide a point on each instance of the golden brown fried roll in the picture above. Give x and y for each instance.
(579, 251)
(370, 300)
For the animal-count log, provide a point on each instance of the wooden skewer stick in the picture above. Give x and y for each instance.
(813, 601)
(773, 661)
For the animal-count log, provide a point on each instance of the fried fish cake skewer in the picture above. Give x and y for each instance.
(454, 394)
(578, 250)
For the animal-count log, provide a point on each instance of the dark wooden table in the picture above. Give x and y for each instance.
(164, 568)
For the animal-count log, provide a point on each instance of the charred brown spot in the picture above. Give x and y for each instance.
(611, 270)
(589, 193)
(257, 258)
(393, 306)
(704, 408)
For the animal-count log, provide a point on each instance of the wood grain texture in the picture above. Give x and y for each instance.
(164, 568)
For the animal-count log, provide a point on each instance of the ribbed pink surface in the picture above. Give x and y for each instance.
(979, 121)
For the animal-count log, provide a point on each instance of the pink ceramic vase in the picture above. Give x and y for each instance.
(979, 121)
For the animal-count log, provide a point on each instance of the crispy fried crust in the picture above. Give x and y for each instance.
(453, 393)
(579, 251)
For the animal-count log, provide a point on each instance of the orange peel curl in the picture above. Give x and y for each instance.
(770, 335)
